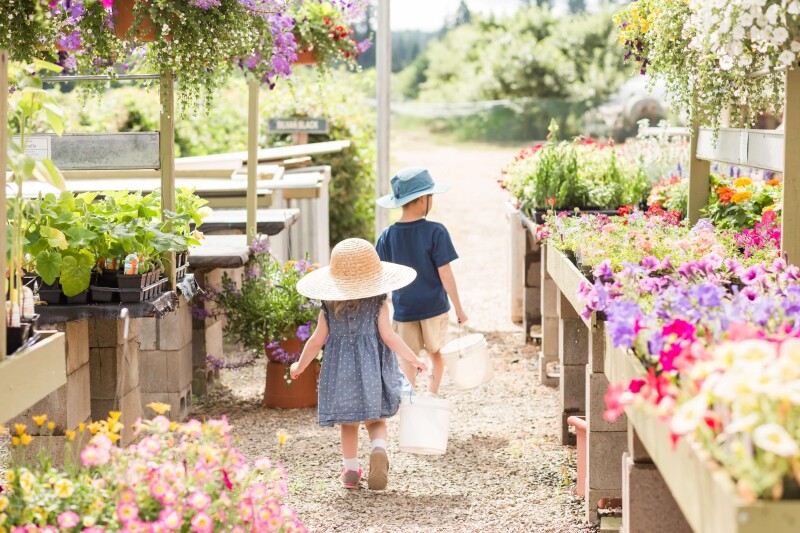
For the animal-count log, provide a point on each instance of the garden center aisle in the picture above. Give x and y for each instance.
(504, 469)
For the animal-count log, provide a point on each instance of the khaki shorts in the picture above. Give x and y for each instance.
(429, 334)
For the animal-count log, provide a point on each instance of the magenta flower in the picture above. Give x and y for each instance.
(199, 500)
(68, 520)
(202, 523)
(127, 512)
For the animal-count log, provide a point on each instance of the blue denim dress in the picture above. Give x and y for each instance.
(360, 379)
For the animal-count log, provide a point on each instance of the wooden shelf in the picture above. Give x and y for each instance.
(568, 278)
(738, 146)
(30, 375)
(705, 493)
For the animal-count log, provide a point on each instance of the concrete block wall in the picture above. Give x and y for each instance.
(165, 361)
(114, 372)
(548, 356)
(573, 354)
(605, 441)
(532, 291)
(70, 404)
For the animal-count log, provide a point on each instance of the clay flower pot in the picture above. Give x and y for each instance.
(305, 57)
(123, 20)
(292, 346)
(299, 394)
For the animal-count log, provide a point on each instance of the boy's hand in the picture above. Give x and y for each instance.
(295, 371)
(420, 365)
(462, 316)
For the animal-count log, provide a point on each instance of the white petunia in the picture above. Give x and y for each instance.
(738, 33)
(746, 20)
(793, 7)
(786, 57)
(772, 13)
(726, 62)
(741, 424)
(773, 438)
(689, 415)
(736, 48)
(779, 35)
(754, 350)
(791, 391)
(762, 21)
(755, 34)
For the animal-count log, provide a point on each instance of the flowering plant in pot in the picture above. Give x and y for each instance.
(265, 312)
(323, 31)
(175, 477)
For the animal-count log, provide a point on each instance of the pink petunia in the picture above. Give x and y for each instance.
(68, 520)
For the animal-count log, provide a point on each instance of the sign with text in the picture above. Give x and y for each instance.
(297, 125)
(37, 146)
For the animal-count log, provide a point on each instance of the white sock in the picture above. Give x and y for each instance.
(378, 443)
(350, 464)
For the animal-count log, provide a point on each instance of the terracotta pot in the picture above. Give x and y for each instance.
(579, 423)
(300, 393)
(123, 20)
(305, 57)
(293, 345)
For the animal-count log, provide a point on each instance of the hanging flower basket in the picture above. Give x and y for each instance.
(123, 20)
(305, 57)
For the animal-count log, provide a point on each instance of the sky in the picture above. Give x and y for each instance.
(429, 15)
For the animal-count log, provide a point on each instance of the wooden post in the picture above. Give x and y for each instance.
(790, 225)
(300, 138)
(699, 174)
(383, 47)
(167, 143)
(3, 206)
(252, 161)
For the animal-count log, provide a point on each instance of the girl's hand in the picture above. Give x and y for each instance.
(462, 316)
(295, 371)
(420, 365)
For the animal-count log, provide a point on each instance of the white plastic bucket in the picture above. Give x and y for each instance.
(468, 362)
(424, 425)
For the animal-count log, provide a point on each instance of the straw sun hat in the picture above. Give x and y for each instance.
(356, 272)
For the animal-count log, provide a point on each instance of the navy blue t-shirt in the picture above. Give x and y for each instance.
(424, 246)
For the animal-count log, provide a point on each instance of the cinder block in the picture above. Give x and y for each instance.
(636, 450)
(181, 403)
(179, 368)
(108, 365)
(531, 304)
(567, 438)
(545, 378)
(153, 376)
(148, 334)
(55, 446)
(572, 385)
(214, 339)
(77, 344)
(597, 346)
(593, 496)
(67, 406)
(596, 387)
(175, 329)
(549, 297)
(131, 407)
(533, 269)
(109, 332)
(565, 309)
(550, 336)
(573, 338)
(647, 503)
(603, 452)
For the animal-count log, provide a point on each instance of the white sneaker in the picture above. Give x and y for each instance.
(429, 394)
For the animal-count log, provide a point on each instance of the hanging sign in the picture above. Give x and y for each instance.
(297, 125)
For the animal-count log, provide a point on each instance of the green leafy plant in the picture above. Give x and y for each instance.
(738, 202)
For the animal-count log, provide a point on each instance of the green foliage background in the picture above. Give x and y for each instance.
(338, 97)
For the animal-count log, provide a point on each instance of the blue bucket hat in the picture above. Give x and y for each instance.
(409, 184)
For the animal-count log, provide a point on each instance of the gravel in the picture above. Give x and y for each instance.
(504, 468)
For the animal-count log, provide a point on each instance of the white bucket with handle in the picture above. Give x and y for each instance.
(424, 425)
(468, 362)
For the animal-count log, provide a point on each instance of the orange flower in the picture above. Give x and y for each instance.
(725, 194)
(742, 182)
(740, 197)
(774, 182)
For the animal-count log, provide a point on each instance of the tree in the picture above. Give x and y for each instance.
(576, 6)
(463, 14)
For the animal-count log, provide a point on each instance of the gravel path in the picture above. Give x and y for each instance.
(504, 468)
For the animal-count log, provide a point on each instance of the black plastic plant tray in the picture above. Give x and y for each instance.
(132, 281)
(80, 298)
(16, 337)
(52, 296)
(108, 278)
(180, 272)
(123, 295)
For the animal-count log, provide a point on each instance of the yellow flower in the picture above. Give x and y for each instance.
(742, 182)
(51, 425)
(25, 439)
(40, 514)
(40, 420)
(20, 428)
(3, 503)
(159, 408)
(81, 427)
(64, 488)
(10, 476)
(740, 197)
(282, 438)
(114, 415)
(26, 481)
(770, 208)
(114, 438)
(3, 517)
(173, 425)
(15, 441)
(70, 435)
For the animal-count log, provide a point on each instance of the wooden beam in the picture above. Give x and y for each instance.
(699, 173)
(790, 228)
(3, 204)
(167, 142)
(252, 161)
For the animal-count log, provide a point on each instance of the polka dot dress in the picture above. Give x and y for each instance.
(360, 379)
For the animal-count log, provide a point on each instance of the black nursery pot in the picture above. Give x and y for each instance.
(108, 278)
(17, 336)
(132, 281)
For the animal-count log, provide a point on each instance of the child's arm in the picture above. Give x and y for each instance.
(395, 342)
(312, 347)
(449, 282)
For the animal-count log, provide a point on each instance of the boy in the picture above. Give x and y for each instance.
(420, 309)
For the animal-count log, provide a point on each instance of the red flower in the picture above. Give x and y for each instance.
(625, 210)
(550, 201)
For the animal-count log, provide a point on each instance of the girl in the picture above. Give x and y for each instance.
(360, 380)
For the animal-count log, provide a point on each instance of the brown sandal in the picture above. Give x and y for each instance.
(378, 469)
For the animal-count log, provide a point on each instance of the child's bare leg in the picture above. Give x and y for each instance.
(350, 441)
(376, 429)
(437, 369)
(378, 460)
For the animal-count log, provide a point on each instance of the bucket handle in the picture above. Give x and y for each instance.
(411, 388)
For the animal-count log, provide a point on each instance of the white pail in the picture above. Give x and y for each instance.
(424, 425)
(468, 362)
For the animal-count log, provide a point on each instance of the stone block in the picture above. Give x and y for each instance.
(67, 406)
(549, 297)
(647, 503)
(531, 304)
(573, 339)
(565, 309)
(548, 378)
(572, 385)
(592, 497)
(550, 338)
(181, 403)
(77, 344)
(636, 450)
(568, 438)
(597, 346)
(55, 446)
(166, 370)
(109, 332)
(214, 339)
(603, 452)
(110, 365)
(533, 270)
(148, 334)
(596, 387)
